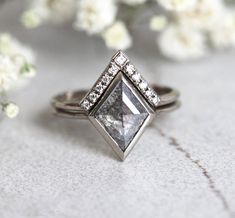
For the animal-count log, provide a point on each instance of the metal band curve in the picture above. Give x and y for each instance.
(67, 103)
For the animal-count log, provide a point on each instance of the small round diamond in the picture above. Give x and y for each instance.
(99, 88)
(106, 79)
(136, 77)
(93, 97)
(155, 100)
(86, 105)
(149, 93)
(152, 96)
(130, 69)
(113, 69)
(143, 85)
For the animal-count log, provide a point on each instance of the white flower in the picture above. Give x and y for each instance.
(31, 19)
(21, 58)
(181, 44)
(8, 73)
(53, 10)
(94, 16)
(177, 5)
(11, 110)
(158, 23)
(11, 47)
(133, 2)
(204, 15)
(16, 63)
(222, 35)
(117, 36)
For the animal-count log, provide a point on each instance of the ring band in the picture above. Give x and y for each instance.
(67, 104)
(120, 104)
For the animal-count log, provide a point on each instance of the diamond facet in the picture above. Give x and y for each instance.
(121, 114)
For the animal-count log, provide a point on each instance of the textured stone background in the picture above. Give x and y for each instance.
(183, 166)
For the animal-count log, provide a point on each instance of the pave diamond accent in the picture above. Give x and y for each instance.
(93, 97)
(136, 77)
(106, 79)
(150, 95)
(99, 88)
(86, 105)
(121, 114)
(130, 69)
(120, 59)
(143, 85)
(119, 62)
(113, 69)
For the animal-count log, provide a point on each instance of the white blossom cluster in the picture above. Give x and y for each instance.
(16, 67)
(195, 29)
(186, 29)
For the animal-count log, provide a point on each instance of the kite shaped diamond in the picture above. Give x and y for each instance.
(121, 115)
(120, 104)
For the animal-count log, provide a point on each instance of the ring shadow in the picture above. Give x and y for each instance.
(79, 132)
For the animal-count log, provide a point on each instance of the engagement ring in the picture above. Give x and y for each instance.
(120, 104)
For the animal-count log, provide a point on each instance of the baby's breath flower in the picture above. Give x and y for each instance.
(177, 5)
(11, 47)
(117, 36)
(94, 16)
(187, 25)
(11, 110)
(16, 63)
(8, 73)
(31, 19)
(204, 15)
(182, 44)
(158, 23)
(48, 10)
(223, 34)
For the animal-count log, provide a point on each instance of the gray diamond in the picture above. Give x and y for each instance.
(122, 115)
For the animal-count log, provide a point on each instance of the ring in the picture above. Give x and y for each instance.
(120, 104)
